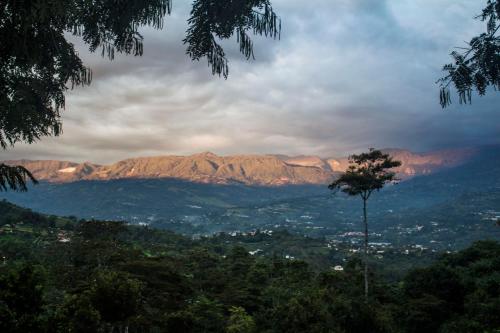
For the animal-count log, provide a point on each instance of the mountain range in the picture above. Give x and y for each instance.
(448, 199)
(244, 169)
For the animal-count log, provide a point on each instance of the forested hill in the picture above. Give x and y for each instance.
(63, 275)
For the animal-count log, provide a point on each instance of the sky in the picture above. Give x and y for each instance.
(346, 75)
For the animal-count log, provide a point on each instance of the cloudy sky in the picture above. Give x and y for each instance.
(346, 75)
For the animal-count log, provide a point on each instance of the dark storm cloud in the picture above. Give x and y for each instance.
(346, 75)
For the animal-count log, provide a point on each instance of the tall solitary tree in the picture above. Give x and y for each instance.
(476, 66)
(367, 173)
(38, 63)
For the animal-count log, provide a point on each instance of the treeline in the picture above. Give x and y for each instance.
(92, 276)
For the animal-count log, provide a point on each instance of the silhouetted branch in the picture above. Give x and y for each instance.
(15, 178)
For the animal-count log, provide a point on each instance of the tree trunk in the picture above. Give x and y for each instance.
(365, 259)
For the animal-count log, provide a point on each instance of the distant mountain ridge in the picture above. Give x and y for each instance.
(207, 167)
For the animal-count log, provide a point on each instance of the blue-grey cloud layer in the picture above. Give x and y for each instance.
(346, 75)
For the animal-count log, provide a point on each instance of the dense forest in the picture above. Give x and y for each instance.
(67, 275)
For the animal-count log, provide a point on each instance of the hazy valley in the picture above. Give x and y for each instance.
(445, 201)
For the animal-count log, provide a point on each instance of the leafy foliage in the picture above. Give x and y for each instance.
(240, 321)
(14, 177)
(221, 19)
(21, 299)
(477, 66)
(115, 296)
(366, 173)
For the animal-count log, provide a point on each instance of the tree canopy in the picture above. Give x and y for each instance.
(476, 66)
(38, 63)
(366, 173)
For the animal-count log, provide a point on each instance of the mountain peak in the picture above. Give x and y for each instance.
(206, 154)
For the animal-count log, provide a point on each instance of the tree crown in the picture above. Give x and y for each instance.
(477, 66)
(366, 173)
